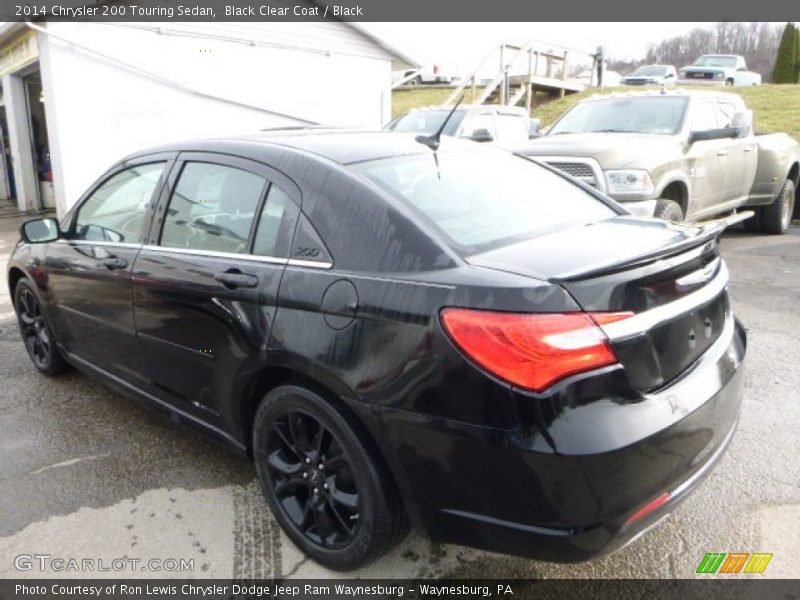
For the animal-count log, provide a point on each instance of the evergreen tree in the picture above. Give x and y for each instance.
(785, 70)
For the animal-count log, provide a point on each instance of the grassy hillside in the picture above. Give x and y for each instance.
(776, 107)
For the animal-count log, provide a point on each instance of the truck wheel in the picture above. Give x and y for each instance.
(669, 210)
(778, 215)
(753, 224)
(729, 82)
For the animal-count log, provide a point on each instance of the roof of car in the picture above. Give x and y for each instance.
(498, 107)
(339, 145)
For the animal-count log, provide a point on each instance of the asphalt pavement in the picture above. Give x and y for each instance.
(86, 473)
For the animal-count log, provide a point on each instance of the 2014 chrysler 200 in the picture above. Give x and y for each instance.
(400, 332)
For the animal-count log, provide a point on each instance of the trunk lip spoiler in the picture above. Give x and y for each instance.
(707, 232)
(645, 321)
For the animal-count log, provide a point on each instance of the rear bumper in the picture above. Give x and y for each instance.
(500, 490)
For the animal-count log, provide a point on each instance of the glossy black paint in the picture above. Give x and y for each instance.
(352, 310)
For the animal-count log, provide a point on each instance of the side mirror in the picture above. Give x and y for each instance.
(40, 231)
(713, 134)
(743, 122)
(481, 135)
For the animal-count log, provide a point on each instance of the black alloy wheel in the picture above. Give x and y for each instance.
(324, 478)
(36, 333)
(313, 480)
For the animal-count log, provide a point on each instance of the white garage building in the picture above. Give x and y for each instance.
(78, 96)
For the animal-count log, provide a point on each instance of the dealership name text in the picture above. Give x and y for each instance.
(251, 590)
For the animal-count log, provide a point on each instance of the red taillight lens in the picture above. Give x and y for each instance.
(654, 504)
(532, 351)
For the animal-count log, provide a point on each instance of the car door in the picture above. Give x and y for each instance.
(206, 284)
(89, 269)
(742, 154)
(707, 160)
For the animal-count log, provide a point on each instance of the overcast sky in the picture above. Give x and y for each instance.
(462, 45)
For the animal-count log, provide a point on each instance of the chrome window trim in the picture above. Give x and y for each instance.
(98, 243)
(275, 260)
(638, 324)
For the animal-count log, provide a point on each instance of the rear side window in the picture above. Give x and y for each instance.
(212, 208)
(275, 225)
(483, 200)
(116, 210)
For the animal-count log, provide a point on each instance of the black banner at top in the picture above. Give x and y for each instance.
(397, 10)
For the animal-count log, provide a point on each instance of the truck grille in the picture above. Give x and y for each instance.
(700, 75)
(579, 170)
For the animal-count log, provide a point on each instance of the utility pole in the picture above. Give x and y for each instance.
(600, 61)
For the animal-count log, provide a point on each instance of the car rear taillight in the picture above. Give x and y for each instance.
(532, 351)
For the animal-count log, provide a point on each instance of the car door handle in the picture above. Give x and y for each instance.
(234, 279)
(113, 262)
(722, 153)
(748, 148)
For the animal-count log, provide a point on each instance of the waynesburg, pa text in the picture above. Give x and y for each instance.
(273, 591)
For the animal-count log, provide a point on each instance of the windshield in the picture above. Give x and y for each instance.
(716, 61)
(648, 114)
(650, 71)
(482, 200)
(428, 121)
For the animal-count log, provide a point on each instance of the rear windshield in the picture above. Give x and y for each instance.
(483, 200)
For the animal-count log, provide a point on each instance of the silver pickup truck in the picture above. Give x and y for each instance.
(683, 155)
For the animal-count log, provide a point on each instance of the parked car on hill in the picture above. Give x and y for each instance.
(719, 69)
(488, 123)
(427, 75)
(652, 75)
(677, 155)
(398, 330)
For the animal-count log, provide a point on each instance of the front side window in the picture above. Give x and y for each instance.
(511, 128)
(704, 117)
(483, 200)
(212, 208)
(117, 209)
(482, 122)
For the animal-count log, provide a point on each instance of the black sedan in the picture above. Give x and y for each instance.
(400, 333)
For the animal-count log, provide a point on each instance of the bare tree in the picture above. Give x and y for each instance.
(757, 42)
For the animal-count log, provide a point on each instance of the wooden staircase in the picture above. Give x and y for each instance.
(520, 72)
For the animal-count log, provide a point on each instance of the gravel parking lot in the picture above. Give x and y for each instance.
(86, 473)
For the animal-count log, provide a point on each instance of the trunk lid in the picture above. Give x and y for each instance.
(670, 276)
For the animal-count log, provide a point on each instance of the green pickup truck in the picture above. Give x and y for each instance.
(677, 155)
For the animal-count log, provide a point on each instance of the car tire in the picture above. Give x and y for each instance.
(777, 216)
(669, 210)
(729, 83)
(37, 335)
(323, 480)
(753, 224)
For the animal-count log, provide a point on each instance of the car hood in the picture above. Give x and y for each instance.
(611, 150)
